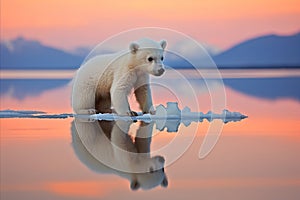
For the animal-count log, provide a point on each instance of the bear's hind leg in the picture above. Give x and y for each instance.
(103, 104)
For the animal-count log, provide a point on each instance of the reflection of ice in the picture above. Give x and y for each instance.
(171, 116)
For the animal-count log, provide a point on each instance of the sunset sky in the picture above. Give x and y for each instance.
(72, 23)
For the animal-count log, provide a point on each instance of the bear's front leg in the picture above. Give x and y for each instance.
(121, 87)
(143, 97)
(120, 102)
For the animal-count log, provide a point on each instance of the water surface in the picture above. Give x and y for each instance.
(257, 158)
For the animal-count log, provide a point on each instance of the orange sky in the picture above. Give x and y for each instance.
(72, 23)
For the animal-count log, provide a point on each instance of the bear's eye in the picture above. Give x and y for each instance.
(162, 58)
(150, 59)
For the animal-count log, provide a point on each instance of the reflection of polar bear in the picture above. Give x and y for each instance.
(109, 149)
(106, 80)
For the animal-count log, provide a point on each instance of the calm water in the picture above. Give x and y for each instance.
(256, 158)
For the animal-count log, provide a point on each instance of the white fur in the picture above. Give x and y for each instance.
(109, 149)
(106, 80)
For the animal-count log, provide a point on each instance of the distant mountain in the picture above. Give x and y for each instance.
(27, 54)
(265, 51)
(22, 53)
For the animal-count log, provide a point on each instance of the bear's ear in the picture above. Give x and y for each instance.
(163, 44)
(134, 47)
(134, 185)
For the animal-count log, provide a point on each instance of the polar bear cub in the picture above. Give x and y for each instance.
(105, 81)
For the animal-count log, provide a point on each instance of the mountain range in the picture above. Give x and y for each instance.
(21, 53)
(264, 51)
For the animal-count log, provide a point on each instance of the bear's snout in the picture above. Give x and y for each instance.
(161, 71)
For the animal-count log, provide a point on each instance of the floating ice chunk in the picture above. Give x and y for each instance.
(32, 114)
(232, 116)
(186, 110)
(172, 109)
(144, 117)
(169, 117)
(161, 112)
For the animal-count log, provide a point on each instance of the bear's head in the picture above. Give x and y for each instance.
(147, 56)
(153, 176)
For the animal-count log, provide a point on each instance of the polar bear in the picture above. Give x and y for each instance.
(106, 147)
(105, 81)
